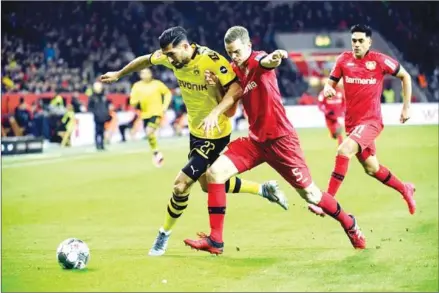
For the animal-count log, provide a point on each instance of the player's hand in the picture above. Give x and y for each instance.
(405, 114)
(329, 91)
(211, 79)
(209, 123)
(109, 77)
(279, 54)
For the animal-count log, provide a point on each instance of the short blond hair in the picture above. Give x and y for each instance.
(236, 33)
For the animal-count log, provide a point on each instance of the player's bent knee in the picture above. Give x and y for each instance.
(348, 148)
(180, 188)
(370, 169)
(213, 174)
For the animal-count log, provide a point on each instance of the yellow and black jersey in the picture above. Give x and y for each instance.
(153, 97)
(200, 98)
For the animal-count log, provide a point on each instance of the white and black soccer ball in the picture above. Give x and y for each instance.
(72, 254)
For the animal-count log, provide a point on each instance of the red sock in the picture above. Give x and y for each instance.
(340, 139)
(331, 207)
(337, 176)
(216, 203)
(386, 177)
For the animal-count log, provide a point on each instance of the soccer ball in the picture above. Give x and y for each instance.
(73, 253)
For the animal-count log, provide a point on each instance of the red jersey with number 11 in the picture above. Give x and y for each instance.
(262, 100)
(363, 85)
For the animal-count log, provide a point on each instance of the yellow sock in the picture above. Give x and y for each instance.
(176, 206)
(152, 139)
(237, 185)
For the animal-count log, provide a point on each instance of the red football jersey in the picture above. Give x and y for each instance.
(262, 100)
(336, 104)
(363, 84)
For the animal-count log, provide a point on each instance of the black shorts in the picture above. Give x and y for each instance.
(153, 121)
(203, 152)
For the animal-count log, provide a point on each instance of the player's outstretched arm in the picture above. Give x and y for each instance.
(407, 93)
(136, 65)
(274, 59)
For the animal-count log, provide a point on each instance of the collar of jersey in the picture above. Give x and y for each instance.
(363, 56)
(195, 46)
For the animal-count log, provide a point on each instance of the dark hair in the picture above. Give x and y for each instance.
(361, 28)
(174, 36)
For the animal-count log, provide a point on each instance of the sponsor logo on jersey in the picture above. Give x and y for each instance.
(371, 65)
(357, 80)
(223, 69)
(192, 86)
(251, 85)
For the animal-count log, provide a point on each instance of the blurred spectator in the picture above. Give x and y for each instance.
(389, 95)
(99, 106)
(23, 117)
(64, 46)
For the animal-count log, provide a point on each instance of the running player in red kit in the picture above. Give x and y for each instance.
(363, 72)
(272, 139)
(333, 108)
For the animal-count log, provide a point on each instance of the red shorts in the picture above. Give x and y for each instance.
(283, 154)
(365, 135)
(333, 126)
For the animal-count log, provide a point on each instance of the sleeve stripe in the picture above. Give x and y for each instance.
(230, 82)
(336, 79)
(150, 58)
(396, 70)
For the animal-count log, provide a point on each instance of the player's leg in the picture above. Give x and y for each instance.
(286, 157)
(359, 139)
(178, 202)
(269, 189)
(242, 155)
(373, 168)
(338, 133)
(314, 196)
(151, 130)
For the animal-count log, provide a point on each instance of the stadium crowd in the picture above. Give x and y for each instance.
(64, 47)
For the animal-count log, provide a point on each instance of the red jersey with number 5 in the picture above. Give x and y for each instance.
(363, 84)
(262, 100)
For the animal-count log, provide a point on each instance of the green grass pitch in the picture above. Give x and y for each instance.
(115, 202)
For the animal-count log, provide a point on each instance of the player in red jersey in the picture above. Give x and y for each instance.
(333, 108)
(272, 139)
(363, 72)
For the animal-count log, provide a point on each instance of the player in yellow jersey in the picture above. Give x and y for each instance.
(152, 97)
(189, 62)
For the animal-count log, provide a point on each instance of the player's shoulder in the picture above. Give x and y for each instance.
(137, 83)
(258, 55)
(344, 56)
(205, 51)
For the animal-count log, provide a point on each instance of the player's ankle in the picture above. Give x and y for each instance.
(167, 232)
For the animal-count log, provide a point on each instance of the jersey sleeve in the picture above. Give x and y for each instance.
(388, 64)
(223, 70)
(158, 58)
(337, 72)
(255, 61)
